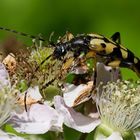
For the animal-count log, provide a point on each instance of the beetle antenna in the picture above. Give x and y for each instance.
(22, 34)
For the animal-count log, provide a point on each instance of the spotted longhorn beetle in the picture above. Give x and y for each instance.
(111, 49)
(108, 50)
(114, 54)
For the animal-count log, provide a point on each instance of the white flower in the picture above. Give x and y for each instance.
(75, 95)
(42, 118)
(7, 102)
(74, 119)
(38, 119)
(119, 110)
(119, 106)
(7, 97)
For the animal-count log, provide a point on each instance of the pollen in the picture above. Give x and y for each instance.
(119, 105)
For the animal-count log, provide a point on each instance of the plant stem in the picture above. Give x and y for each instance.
(83, 136)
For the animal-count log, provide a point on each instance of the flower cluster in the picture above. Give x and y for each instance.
(119, 107)
(7, 101)
(111, 110)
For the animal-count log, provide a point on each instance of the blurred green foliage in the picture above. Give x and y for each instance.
(76, 16)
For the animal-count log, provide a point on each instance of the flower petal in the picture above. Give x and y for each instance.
(71, 96)
(73, 119)
(5, 136)
(107, 73)
(34, 93)
(38, 120)
(33, 96)
(4, 76)
(137, 135)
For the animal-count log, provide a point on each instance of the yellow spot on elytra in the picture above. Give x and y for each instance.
(95, 45)
(96, 35)
(109, 48)
(68, 63)
(124, 53)
(90, 54)
(114, 63)
(135, 60)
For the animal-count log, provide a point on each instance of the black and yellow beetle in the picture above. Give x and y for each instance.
(106, 50)
(109, 51)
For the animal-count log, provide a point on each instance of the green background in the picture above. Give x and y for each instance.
(77, 16)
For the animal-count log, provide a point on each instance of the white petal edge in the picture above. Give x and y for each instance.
(34, 93)
(6, 136)
(4, 76)
(75, 119)
(38, 120)
(72, 93)
(137, 135)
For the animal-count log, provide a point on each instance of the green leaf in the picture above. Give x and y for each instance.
(22, 86)
(71, 134)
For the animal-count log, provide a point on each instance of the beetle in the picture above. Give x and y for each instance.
(108, 50)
